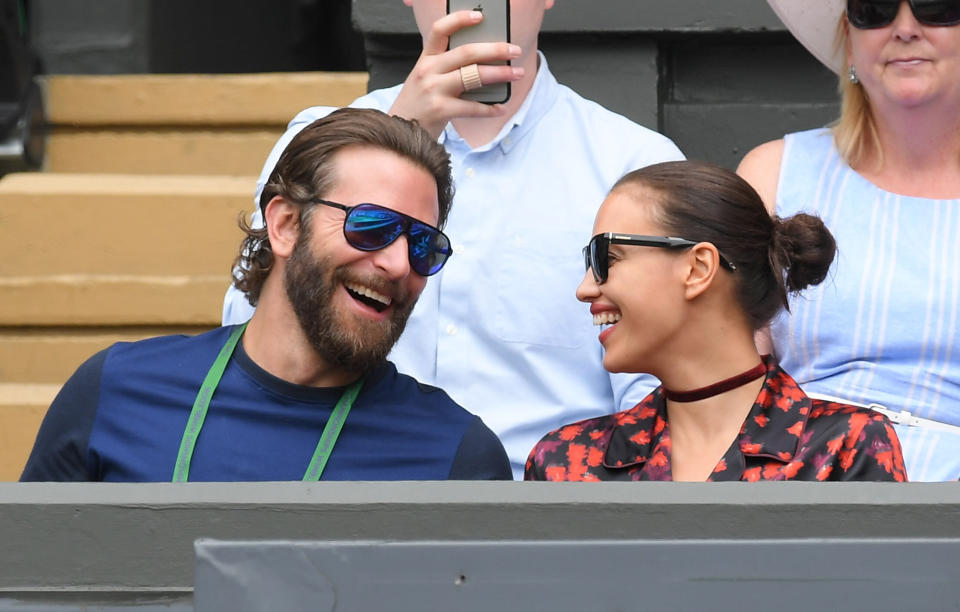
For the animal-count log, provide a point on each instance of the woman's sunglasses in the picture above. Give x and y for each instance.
(869, 14)
(596, 255)
(369, 227)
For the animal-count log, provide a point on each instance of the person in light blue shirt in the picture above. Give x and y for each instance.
(885, 178)
(500, 328)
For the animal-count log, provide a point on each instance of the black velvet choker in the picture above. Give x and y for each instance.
(718, 387)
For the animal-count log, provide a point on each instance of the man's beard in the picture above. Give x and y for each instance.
(310, 285)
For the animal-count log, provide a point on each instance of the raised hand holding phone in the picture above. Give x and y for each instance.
(495, 27)
(432, 91)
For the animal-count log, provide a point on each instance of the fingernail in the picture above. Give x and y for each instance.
(476, 15)
(515, 51)
(517, 72)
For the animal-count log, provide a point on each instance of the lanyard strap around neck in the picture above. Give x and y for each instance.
(328, 438)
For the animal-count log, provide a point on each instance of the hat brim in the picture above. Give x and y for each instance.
(814, 24)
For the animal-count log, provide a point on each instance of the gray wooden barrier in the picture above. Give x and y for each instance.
(124, 545)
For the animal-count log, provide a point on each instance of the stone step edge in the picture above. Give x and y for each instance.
(195, 99)
(27, 394)
(62, 183)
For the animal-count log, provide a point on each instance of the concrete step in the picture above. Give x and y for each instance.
(180, 124)
(86, 250)
(22, 407)
(160, 151)
(196, 99)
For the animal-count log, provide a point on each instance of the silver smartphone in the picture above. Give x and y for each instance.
(495, 27)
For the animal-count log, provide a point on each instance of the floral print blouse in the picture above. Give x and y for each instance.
(786, 436)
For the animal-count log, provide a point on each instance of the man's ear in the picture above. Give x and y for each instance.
(283, 225)
(703, 261)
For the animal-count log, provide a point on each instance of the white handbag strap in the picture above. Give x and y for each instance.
(900, 418)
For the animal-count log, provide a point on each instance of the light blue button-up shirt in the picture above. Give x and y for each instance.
(500, 328)
(885, 325)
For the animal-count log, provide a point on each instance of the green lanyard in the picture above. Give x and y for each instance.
(181, 472)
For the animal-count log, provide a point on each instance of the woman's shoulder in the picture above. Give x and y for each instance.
(585, 431)
(863, 440)
(767, 165)
(580, 439)
(854, 416)
(761, 168)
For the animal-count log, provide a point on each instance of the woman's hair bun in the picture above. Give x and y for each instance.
(801, 250)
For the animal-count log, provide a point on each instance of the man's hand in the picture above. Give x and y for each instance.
(431, 93)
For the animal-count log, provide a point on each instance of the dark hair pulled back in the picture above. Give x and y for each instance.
(706, 203)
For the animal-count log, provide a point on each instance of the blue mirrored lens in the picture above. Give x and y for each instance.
(429, 249)
(370, 227)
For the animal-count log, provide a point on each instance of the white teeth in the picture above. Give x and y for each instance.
(370, 293)
(605, 318)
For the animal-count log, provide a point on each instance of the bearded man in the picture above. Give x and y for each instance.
(353, 214)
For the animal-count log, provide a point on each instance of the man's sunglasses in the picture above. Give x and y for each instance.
(596, 255)
(869, 14)
(369, 227)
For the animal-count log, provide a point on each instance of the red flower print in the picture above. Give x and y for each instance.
(857, 422)
(771, 470)
(576, 467)
(885, 460)
(660, 424)
(833, 446)
(792, 469)
(647, 412)
(846, 458)
(658, 460)
(556, 472)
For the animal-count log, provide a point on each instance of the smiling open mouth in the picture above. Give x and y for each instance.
(369, 297)
(606, 318)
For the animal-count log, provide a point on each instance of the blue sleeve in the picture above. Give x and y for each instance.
(60, 451)
(480, 456)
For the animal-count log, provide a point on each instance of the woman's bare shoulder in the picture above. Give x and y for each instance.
(761, 168)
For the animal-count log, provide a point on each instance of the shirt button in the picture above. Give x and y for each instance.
(507, 141)
(459, 249)
(470, 172)
(451, 330)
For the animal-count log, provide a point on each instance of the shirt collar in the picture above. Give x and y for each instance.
(541, 96)
(773, 428)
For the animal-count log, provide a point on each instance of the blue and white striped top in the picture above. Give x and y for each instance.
(884, 327)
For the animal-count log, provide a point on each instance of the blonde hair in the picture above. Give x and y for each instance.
(855, 132)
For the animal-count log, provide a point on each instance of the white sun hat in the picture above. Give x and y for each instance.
(814, 24)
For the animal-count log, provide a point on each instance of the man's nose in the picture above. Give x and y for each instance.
(394, 259)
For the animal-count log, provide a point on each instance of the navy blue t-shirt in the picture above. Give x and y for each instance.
(121, 418)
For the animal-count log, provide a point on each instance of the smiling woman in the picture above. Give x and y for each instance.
(686, 265)
(886, 179)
